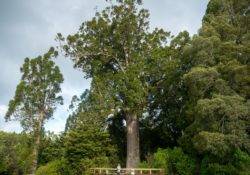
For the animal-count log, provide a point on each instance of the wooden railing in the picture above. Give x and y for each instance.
(127, 171)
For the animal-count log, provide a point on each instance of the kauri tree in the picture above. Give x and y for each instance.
(115, 49)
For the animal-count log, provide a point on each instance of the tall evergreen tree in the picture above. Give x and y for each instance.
(218, 87)
(36, 97)
(87, 142)
(114, 49)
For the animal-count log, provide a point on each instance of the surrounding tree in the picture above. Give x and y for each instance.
(14, 153)
(87, 142)
(51, 148)
(218, 87)
(36, 97)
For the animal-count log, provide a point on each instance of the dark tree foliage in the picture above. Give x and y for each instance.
(51, 148)
(15, 156)
(117, 131)
(167, 103)
(87, 143)
(218, 88)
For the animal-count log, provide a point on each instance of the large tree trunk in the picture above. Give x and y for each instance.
(133, 153)
(37, 140)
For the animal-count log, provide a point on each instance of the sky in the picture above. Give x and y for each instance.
(28, 29)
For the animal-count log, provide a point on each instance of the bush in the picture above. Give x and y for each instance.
(144, 164)
(88, 146)
(235, 164)
(242, 160)
(57, 167)
(174, 161)
(14, 153)
(49, 169)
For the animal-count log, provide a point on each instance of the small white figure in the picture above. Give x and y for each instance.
(133, 172)
(118, 169)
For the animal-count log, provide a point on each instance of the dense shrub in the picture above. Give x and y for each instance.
(14, 153)
(236, 164)
(173, 161)
(50, 168)
(56, 167)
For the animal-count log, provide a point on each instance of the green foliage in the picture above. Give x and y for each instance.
(14, 153)
(88, 143)
(161, 159)
(239, 164)
(88, 146)
(117, 50)
(166, 119)
(242, 161)
(217, 86)
(37, 91)
(49, 169)
(51, 148)
(114, 48)
(36, 97)
(200, 80)
(174, 161)
(15, 157)
(193, 92)
(56, 167)
(144, 164)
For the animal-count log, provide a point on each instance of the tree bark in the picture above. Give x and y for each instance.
(198, 166)
(37, 140)
(133, 150)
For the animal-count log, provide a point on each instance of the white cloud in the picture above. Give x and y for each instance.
(3, 110)
(10, 126)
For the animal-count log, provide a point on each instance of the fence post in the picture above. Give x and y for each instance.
(133, 172)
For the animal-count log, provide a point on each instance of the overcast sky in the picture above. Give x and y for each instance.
(28, 29)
